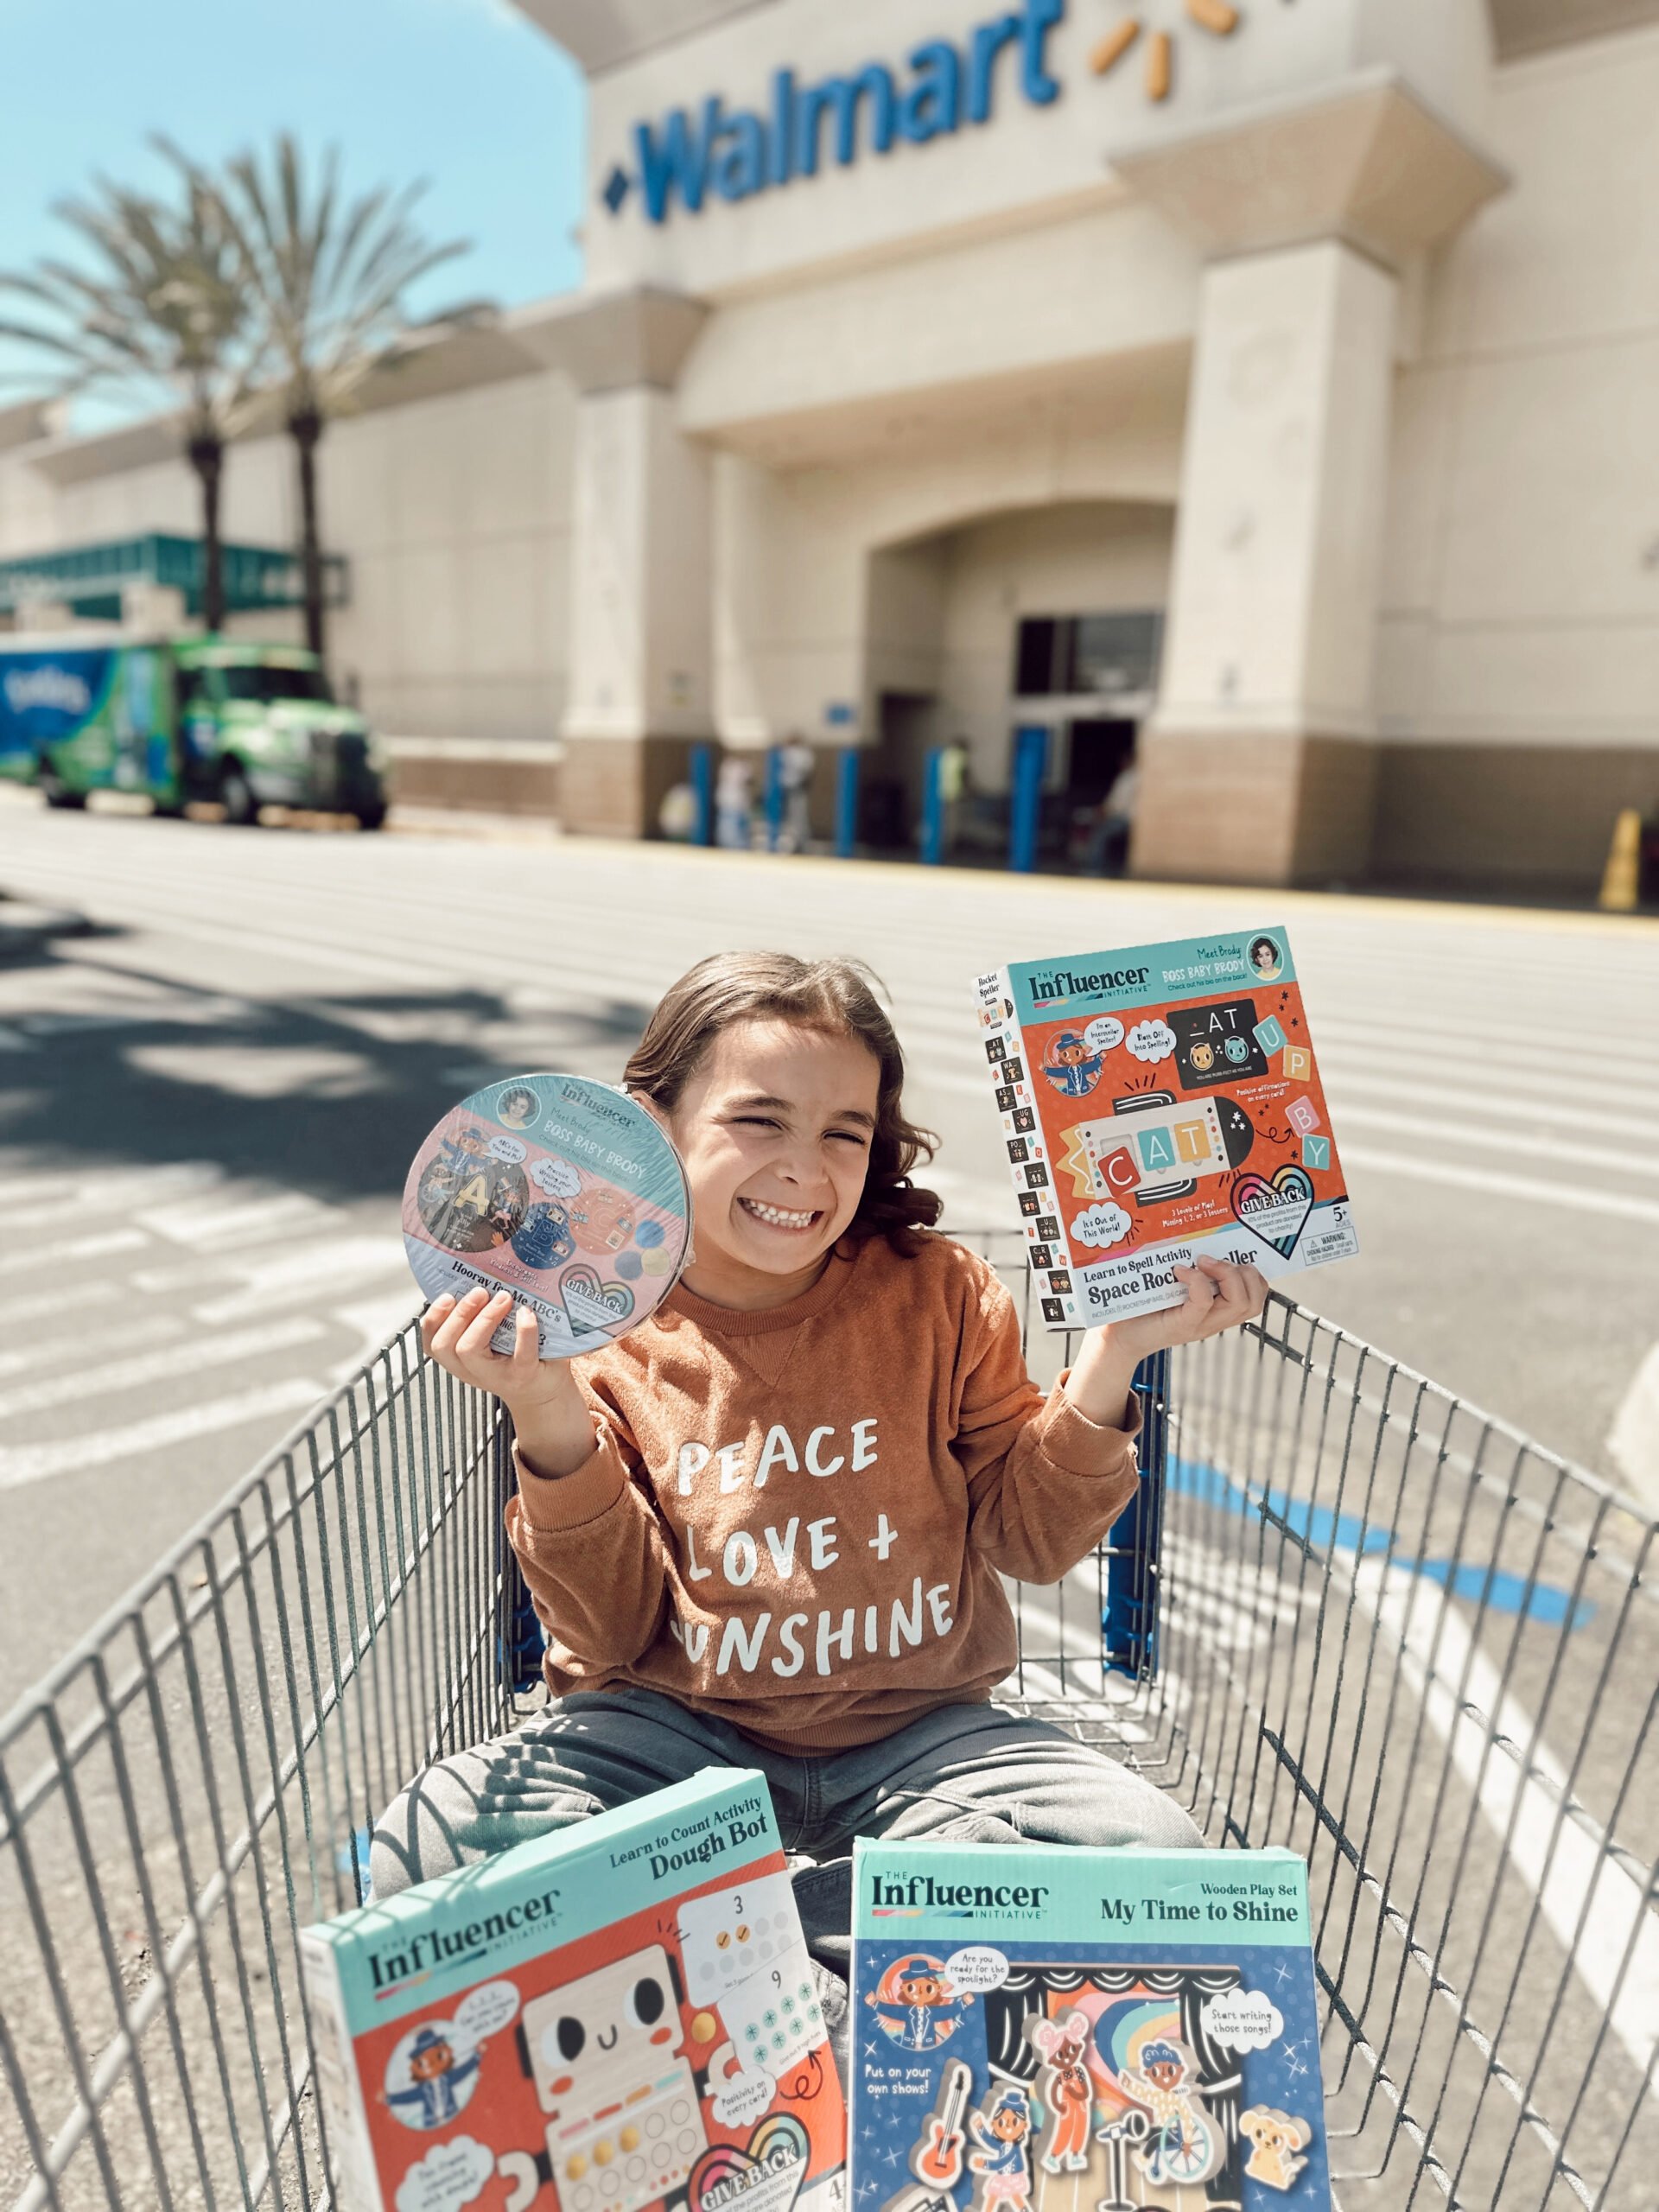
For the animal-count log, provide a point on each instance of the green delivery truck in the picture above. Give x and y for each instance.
(178, 719)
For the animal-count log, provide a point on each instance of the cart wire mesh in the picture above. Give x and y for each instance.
(1351, 1615)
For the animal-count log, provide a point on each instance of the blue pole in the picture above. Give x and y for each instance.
(847, 803)
(774, 797)
(933, 809)
(702, 790)
(1130, 1622)
(1030, 765)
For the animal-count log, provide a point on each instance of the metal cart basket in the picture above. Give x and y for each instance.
(1352, 1615)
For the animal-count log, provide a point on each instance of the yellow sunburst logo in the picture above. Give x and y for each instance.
(1213, 16)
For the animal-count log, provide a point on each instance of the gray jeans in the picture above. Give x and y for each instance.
(966, 1771)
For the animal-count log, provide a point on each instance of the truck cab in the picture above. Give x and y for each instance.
(183, 719)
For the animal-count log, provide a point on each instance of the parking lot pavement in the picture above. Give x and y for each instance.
(220, 1049)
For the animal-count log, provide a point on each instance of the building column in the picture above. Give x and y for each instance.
(1260, 763)
(640, 662)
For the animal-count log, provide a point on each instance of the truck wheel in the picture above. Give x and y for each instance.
(56, 792)
(371, 817)
(236, 797)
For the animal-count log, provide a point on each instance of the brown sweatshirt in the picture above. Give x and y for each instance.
(795, 1519)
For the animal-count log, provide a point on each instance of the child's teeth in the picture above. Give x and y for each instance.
(776, 1215)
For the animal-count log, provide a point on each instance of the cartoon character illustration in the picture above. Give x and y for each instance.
(439, 2082)
(1203, 1057)
(517, 1109)
(606, 2057)
(1063, 2085)
(918, 1984)
(1002, 2160)
(1185, 2145)
(1070, 1066)
(1236, 1049)
(1276, 2140)
(1267, 959)
(467, 1201)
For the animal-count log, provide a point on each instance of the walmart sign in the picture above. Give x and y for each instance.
(734, 153)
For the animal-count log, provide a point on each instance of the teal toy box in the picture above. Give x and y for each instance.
(1040, 2029)
(617, 2016)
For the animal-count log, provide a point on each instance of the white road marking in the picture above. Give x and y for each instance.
(102, 1247)
(46, 1197)
(139, 1372)
(1574, 1195)
(248, 1221)
(315, 1273)
(34, 1463)
(1589, 1904)
(1344, 1078)
(1564, 1149)
(67, 1349)
(42, 1305)
(1633, 1440)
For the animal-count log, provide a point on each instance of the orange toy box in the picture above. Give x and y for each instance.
(616, 2017)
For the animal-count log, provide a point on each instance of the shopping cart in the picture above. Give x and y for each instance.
(1354, 1617)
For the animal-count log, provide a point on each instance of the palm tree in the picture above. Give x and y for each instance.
(328, 278)
(159, 303)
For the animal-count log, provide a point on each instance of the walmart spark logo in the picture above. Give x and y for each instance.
(1215, 16)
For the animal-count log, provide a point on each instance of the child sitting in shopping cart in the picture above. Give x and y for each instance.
(766, 1528)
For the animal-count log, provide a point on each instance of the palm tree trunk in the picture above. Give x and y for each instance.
(206, 453)
(305, 427)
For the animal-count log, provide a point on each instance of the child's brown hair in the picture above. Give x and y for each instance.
(836, 997)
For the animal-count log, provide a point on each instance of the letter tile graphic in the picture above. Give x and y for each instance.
(1303, 1116)
(1269, 1035)
(1315, 1152)
(1298, 1063)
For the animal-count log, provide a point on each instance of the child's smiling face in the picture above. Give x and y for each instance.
(774, 1128)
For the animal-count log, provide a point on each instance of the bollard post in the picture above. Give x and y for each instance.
(933, 808)
(1129, 1622)
(774, 796)
(1030, 765)
(847, 803)
(1621, 882)
(703, 790)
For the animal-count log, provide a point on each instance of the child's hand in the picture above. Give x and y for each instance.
(555, 1429)
(1219, 1295)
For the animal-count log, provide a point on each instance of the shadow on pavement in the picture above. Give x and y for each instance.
(330, 1096)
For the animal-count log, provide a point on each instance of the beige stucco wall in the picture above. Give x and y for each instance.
(1520, 601)
(454, 511)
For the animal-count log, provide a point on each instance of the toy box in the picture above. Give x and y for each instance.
(1066, 2030)
(618, 2016)
(1161, 1104)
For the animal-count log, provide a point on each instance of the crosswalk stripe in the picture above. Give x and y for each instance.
(33, 1463)
(1579, 1198)
(146, 1368)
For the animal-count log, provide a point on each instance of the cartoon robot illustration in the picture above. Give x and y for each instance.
(1070, 1066)
(1002, 2159)
(917, 1989)
(1063, 2085)
(440, 2079)
(1184, 2144)
(606, 2056)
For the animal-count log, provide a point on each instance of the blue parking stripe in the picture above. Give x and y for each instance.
(1321, 1530)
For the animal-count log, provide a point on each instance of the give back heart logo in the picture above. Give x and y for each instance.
(766, 2178)
(592, 1304)
(1275, 1208)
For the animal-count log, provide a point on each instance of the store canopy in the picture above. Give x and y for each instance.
(90, 579)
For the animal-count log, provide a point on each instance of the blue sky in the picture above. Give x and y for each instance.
(465, 92)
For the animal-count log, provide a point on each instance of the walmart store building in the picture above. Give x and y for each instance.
(1269, 386)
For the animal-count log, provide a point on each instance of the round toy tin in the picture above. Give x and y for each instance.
(561, 1191)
